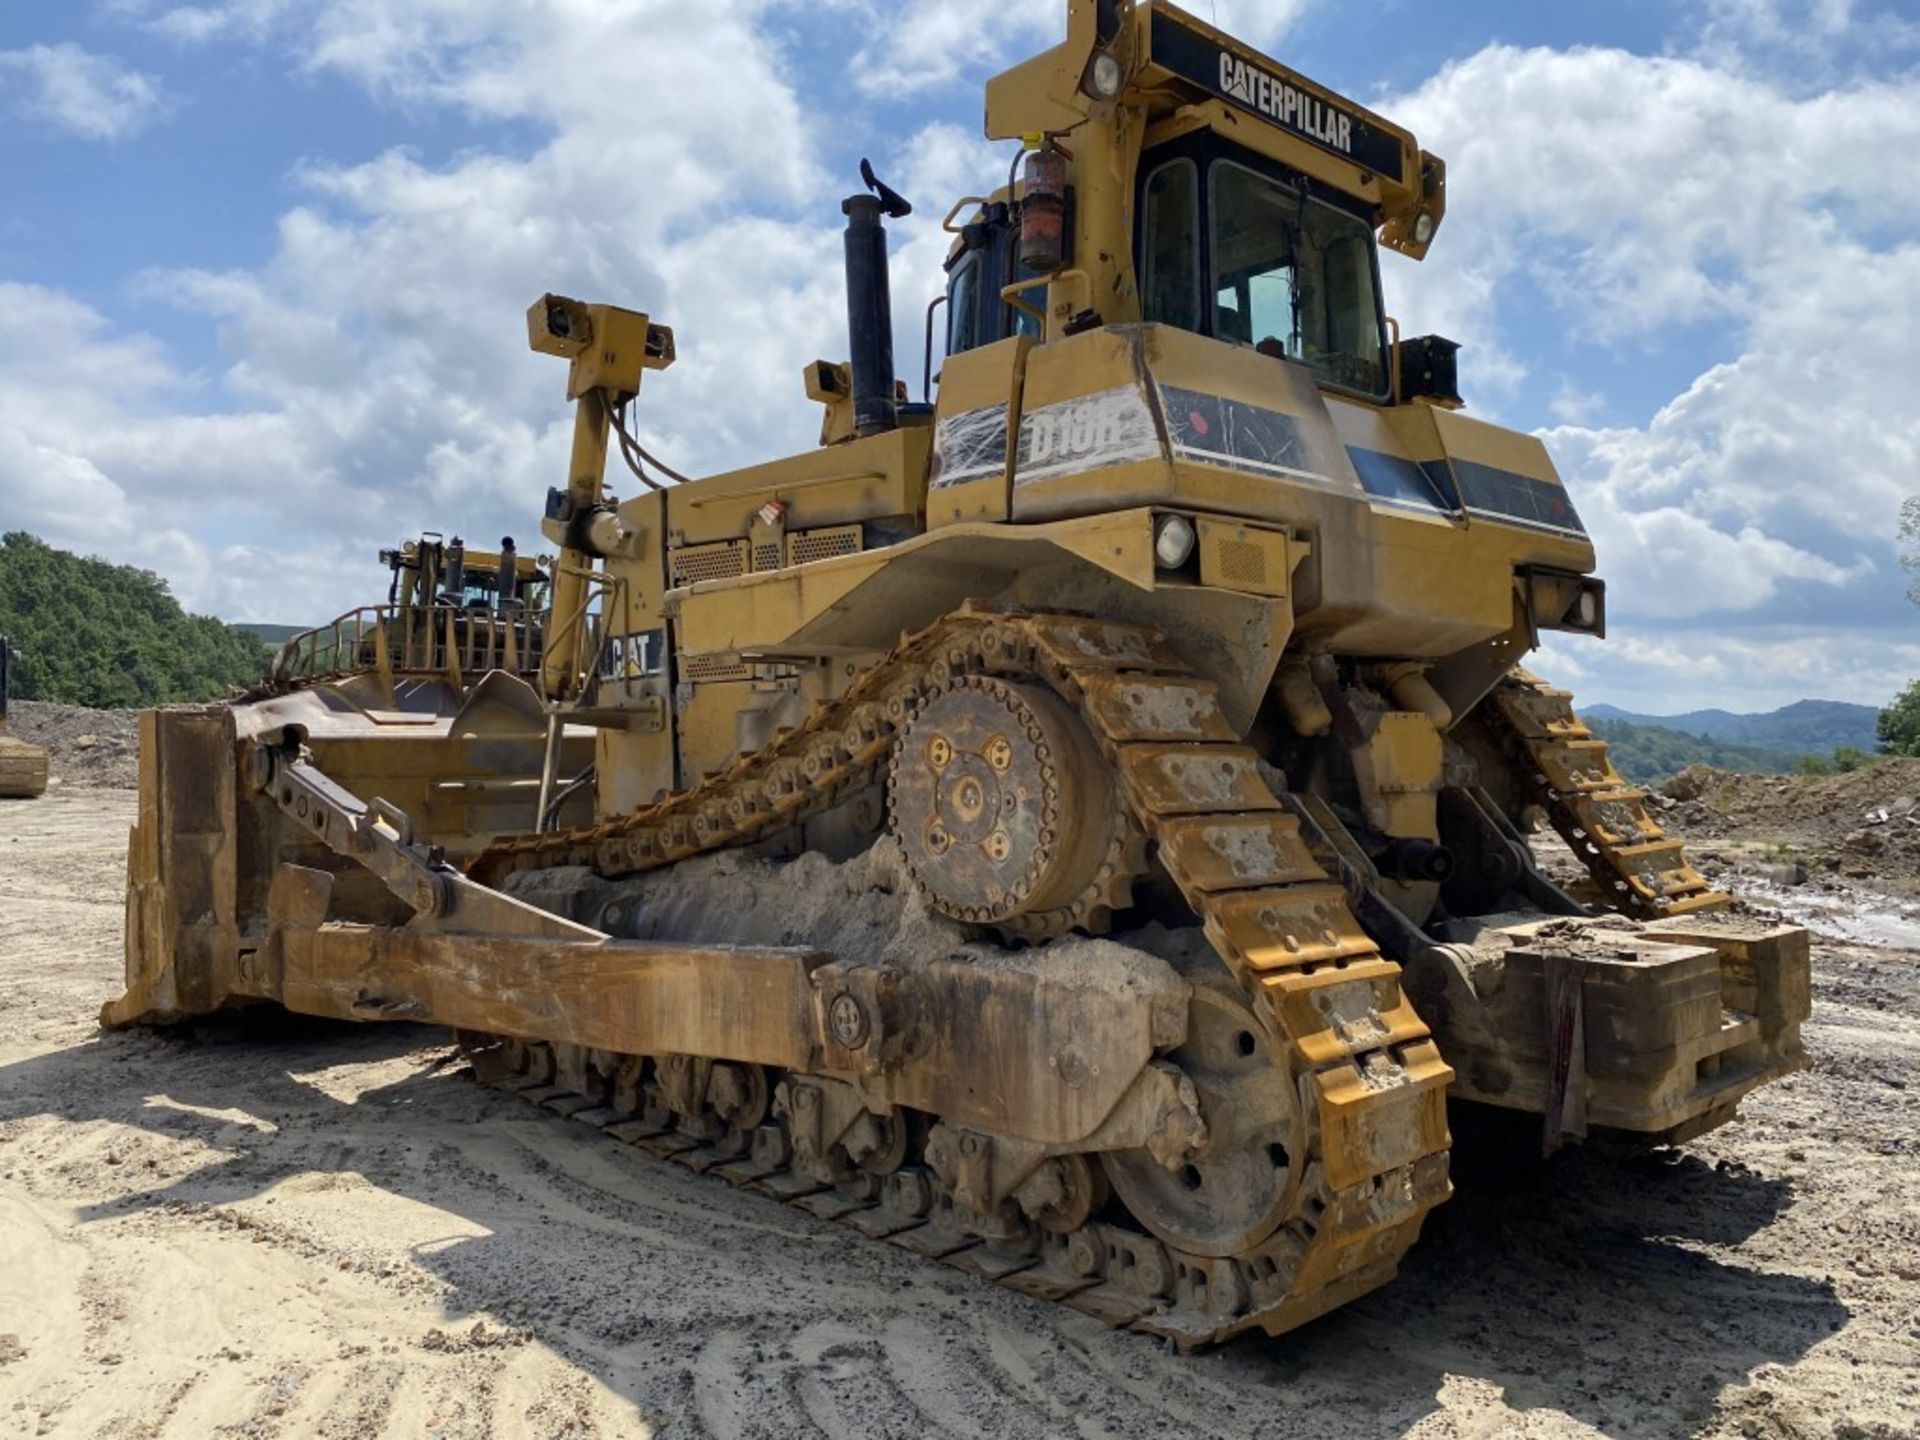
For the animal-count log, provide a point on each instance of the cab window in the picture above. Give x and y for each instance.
(1233, 246)
(1295, 277)
(963, 304)
(1170, 264)
(976, 315)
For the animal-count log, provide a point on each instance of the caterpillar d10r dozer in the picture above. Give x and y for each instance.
(1075, 826)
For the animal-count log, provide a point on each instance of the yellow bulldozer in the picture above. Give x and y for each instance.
(1080, 825)
(435, 570)
(449, 611)
(23, 767)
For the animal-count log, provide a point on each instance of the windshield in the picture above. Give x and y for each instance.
(963, 306)
(1295, 279)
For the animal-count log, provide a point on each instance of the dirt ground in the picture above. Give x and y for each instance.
(334, 1232)
(1838, 831)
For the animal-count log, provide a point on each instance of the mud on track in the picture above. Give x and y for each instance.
(332, 1231)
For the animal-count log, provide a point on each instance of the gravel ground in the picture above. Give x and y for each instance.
(1829, 832)
(332, 1231)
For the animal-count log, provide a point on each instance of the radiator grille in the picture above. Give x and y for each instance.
(691, 564)
(823, 544)
(766, 556)
(709, 669)
(1243, 564)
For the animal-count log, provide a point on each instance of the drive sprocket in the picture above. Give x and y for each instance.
(1006, 812)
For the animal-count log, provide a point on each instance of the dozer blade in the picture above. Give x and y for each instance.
(208, 839)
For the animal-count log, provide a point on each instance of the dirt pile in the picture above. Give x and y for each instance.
(1710, 802)
(95, 749)
(1862, 826)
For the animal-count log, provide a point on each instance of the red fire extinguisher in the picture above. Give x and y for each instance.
(1043, 210)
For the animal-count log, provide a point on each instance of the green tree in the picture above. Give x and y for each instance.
(110, 636)
(1899, 728)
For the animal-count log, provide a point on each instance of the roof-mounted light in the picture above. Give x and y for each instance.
(1104, 76)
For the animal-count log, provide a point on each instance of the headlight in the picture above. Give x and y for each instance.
(1586, 610)
(1173, 541)
(1422, 228)
(1104, 77)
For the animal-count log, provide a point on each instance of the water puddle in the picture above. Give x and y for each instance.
(1856, 917)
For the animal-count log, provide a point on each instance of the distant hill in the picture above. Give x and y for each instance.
(272, 636)
(1649, 753)
(1806, 727)
(111, 636)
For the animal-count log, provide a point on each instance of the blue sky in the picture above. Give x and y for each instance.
(262, 265)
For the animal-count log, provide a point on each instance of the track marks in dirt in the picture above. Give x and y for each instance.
(1761, 1285)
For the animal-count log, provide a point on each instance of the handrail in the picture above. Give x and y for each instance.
(451, 642)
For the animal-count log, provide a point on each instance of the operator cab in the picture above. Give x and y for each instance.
(1229, 244)
(981, 265)
(1232, 245)
(434, 571)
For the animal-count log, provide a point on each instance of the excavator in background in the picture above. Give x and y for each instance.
(23, 767)
(1146, 702)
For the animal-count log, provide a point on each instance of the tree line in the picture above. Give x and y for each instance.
(111, 636)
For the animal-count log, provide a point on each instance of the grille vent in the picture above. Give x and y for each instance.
(691, 564)
(1243, 564)
(807, 546)
(710, 669)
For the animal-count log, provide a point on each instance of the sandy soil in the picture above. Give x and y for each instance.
(332, 1231)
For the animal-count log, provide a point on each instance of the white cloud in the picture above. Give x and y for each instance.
(1806, 45)
(70, 89)
(1643, 195)
(1699, 668)
(1786, 465)
(1573, 406)
(924, 44)
(378, 379)
(100, 453)
(235, 19)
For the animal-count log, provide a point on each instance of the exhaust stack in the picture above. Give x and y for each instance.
(870, 304)
(509, 572)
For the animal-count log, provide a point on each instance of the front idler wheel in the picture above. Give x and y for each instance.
(1235, 1192)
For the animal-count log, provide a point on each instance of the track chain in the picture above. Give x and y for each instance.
(1371, 1082)
(1602, 817)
